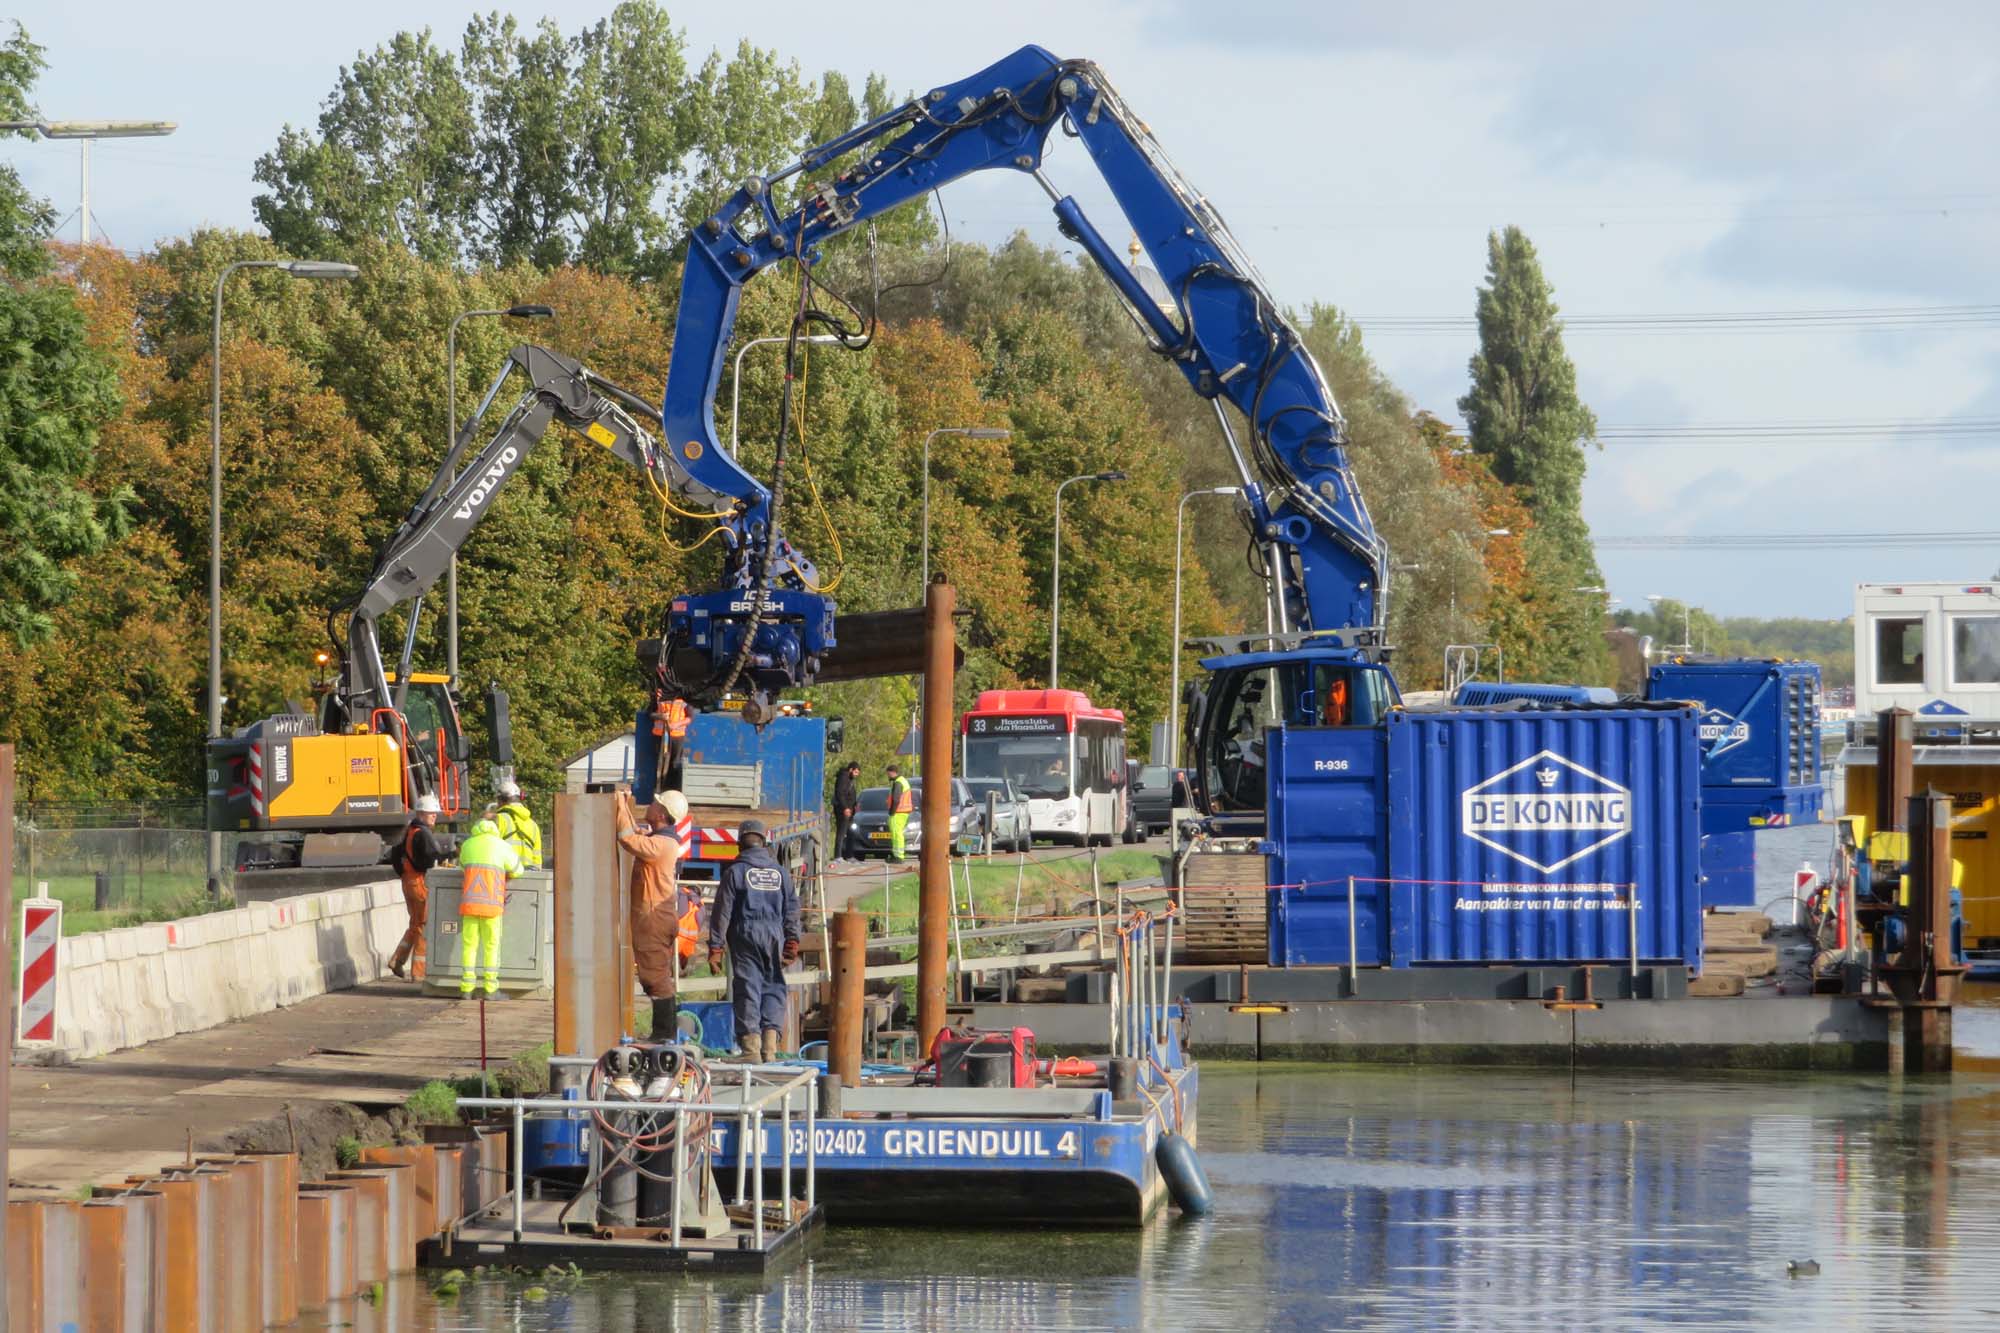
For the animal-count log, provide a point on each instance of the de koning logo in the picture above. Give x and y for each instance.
(1545, 812)
(1720, 732)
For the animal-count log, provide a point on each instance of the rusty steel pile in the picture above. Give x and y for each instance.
(239, 1241)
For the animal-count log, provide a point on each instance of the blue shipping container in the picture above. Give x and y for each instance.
(788, 754)
(1759, 727)
(1760, 759)
(1477, 837)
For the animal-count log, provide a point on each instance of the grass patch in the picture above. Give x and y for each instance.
(347, 1152)
(435, 1103)
(1048, 887)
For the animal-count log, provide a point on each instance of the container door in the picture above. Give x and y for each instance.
(1327, 812)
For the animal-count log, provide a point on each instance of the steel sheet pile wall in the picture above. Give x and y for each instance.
(237, 1242)
(1532, 837)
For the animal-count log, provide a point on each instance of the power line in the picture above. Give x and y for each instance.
(1836, 319)
(1827, 431)
(1787, 541)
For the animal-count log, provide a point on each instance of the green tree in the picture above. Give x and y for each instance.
(55, 395)
(1524, 417)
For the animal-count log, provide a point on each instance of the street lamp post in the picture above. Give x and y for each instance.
(86, 131)
(1174, 646)
(970, 433)
(736, 381)
(297, 268)
(451, 460)
(1055, 578)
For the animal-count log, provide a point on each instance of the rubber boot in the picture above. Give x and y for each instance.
(666, 1019)
(401, 956)
(771, 1045)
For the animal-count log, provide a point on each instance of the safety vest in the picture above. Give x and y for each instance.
(899, 797)
(688, 929)
(519, 827)
(670, 719)
(488, 862)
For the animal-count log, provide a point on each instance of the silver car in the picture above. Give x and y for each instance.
(1011, 832)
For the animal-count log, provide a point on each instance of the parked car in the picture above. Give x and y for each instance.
(1153, 797)
(1011, 830)
(868, 833)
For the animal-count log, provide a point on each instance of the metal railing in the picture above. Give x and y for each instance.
(788, 1082)
(1142, 987)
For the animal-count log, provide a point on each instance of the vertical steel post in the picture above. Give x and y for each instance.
(850, 962)
(812, 1150)
(757, 1172)
(934, 895)
(680, 1177)
(785, 1144)
(520, 1173)
(1895, 742)
(742, 1138)
(1632, 923)
(1167, 980)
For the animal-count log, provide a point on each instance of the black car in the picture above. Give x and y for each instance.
(1153, 797)
(868, 833)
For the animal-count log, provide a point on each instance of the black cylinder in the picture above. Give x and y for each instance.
(829, 1096)
(656, 1187)
(1124, 1079)
(103, 890)
(990, 1069)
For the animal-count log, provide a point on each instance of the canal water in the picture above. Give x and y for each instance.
(1434, 1199)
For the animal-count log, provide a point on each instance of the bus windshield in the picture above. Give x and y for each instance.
(1038, 766)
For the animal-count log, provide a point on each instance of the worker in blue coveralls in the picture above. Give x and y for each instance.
(756, 918)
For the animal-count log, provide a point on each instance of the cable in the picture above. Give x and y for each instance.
(812, 486)
(1810, 541)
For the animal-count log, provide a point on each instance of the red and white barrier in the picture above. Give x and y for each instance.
(41, 935)
(1804, 881)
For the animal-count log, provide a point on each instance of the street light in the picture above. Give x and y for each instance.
(1174, 680)
(297, 268)
(86, 131)
(736, 382)
(451, 460)
(1055, 578)
(970, 433)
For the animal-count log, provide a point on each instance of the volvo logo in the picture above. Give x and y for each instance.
(491, 479)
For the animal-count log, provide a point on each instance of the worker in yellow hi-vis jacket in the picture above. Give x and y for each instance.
(488, 861)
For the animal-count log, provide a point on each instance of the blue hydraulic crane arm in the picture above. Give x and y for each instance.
(1226, 333)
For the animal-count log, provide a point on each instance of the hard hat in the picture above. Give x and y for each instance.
(675, 804)
(510, 791)
(428, 805)
(748, 827)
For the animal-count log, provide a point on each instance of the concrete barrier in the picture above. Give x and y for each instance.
(121, 988)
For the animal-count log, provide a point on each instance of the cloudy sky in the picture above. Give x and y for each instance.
(1760, 165)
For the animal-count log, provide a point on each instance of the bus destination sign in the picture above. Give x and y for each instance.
(1015, 724)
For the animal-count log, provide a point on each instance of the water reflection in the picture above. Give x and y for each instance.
(1432, 1199)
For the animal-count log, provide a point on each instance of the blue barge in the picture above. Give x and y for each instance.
(1073, 1141)
(979, 1156)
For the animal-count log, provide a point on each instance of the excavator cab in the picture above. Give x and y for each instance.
(437, 740)
(1247, 694)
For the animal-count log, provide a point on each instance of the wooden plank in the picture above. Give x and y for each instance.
(1714, 985)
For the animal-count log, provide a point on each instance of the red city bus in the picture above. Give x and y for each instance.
(1062, 753)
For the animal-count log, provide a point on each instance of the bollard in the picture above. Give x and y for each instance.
(850, 966)
(103, 887)
(1895, 740)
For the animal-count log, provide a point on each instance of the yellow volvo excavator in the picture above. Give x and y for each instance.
(330, 786)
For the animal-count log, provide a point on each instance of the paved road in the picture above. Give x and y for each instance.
(131, 1112)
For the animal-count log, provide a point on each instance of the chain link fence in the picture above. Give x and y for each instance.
(113, 862)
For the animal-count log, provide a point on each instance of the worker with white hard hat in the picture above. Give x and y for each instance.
(656, 900)
(517, 825)
(415, 853)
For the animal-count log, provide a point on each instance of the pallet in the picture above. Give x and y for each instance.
(1223, 917)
